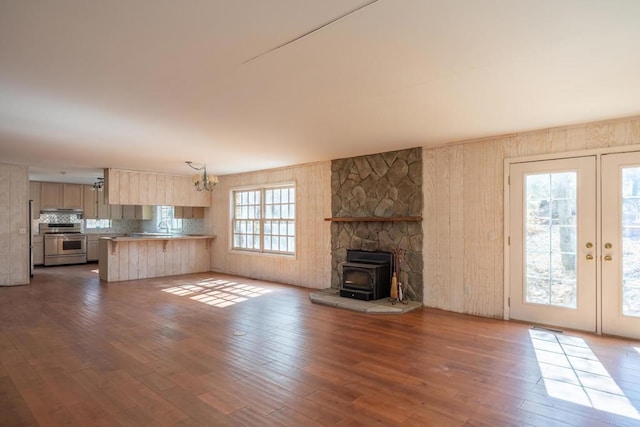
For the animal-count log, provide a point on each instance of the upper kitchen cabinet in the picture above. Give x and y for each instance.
(50, 195)
(54, 195)
(145, 188)
(34, 194)
(188, 212)
(90, 202)
(72, 196)
(137, 212)
(95, 207)
(104, 211)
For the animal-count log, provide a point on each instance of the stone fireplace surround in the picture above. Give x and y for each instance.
(386, 186)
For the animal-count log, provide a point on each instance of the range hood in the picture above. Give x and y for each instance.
(61, 211)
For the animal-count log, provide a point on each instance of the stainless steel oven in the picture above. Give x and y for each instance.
(64, 244)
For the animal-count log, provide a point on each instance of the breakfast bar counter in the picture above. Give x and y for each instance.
(146, 255)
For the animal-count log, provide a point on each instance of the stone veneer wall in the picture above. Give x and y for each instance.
(379, 185)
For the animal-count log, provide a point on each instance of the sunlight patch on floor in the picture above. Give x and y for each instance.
(572, 372)
(96, 271)
(218, 292)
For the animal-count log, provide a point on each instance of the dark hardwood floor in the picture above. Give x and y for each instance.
(217, 350)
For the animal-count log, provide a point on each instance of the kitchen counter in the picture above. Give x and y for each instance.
(145, 255)
(159, 236)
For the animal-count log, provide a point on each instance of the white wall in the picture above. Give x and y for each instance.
(14, 245)
(311, 267)
(464, 209)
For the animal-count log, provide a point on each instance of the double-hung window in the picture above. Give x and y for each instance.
(264, 219)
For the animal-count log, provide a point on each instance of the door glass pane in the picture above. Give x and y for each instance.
(631, 241)
(550, 240)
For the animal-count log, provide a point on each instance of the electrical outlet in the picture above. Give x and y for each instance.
(22, 231)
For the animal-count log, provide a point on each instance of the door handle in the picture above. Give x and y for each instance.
(589, 257)
(608, 258)
(589, 245)
(608, 245)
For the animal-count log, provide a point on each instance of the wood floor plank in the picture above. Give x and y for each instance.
(77, 351)
(14, 408)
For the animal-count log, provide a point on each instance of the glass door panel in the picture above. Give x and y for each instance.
(552, 233)
(550, 246)
(631, 241)
(621, 244)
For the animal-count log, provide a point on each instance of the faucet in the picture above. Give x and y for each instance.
(164, 224)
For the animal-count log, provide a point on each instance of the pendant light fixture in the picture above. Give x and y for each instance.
(98, 185)
(203, 182)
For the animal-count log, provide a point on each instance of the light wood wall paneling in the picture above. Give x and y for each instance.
(576, 138)
(482, 208)
(14, 245)
(430, 227)
(312, 264)
(472, 197)
(456, 229)
(443, 232)
(483, 292)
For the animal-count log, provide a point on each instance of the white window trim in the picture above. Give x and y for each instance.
(231, 205)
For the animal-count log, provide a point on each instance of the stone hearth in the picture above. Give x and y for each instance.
(331, 298)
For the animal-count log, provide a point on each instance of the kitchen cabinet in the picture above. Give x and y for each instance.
(188, 212)
(72, 196)
(93, 245)
(94, 205)
(38, 249)
(54, 195)
(131, 212)
(126, 187)
(34, 195)
(136, 212)
(51, 195)
(93, 241)
(90, 202)
(103, 209)
(115, 211)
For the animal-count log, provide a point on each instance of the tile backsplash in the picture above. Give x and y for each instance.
(59, 218)
(120, 226)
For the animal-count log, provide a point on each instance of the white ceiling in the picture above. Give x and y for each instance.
(149, 84)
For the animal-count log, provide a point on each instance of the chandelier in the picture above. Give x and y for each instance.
(98, 185)
(203, 182)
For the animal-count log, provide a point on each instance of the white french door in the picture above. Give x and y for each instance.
(552, 252)
(621, 244)
(559, 272)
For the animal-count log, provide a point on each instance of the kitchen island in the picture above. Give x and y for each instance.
(146, 255)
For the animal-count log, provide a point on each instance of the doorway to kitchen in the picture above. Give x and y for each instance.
(573, 256)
